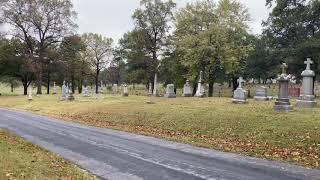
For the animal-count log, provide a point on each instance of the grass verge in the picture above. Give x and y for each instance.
(22, 160)
(253, 129)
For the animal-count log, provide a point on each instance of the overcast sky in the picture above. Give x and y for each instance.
(112, 18)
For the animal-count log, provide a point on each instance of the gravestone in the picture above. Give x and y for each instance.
(70, 94)
(187, 90)
(240, 95)
(200, 89)
(86, 92)
(307, 99)
(170, 91)
(155, 85)
(30, 94)
(282, 103)
(125, 91)
(150, 89)
(54, 88)
(261, 94)
(64, 92)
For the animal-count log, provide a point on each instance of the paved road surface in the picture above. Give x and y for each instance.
(112, 154)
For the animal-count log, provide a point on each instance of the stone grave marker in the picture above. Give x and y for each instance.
(200, 89)
(54, 88)
(125, 91)
(187, 90)
(170, 91)
(240, 95)
(30, 93)
(282, 103)
(261, 94)
(64, 92)
(307, 99)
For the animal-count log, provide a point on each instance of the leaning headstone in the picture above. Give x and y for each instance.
(282, 103)
(54, 88)
(64, 92)
(307, 99)
(30, 94)
(187, 90)
(170, 91)
(261, 94)
(125, 91)
(240, 95)
(200, 90)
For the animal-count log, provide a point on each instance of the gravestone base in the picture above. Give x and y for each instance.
(54, 93)
(125, 94)
(187, 95)
(63, 98)
(239, 101)
(283, 105)
(71, 97)
(260, 98)
(306, 102)
(171, 95)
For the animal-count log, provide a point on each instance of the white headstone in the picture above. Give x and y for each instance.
(200, 90)
(187, 90)
(170, 91)
(64, 92)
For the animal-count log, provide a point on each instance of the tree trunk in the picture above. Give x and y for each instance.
(12, 88)
(80, 84)
(211, 83)
(48, 83)
(25, 88)
(72, 84)
(39, 78)
(97, 82)
(234, 83)
(195, 85)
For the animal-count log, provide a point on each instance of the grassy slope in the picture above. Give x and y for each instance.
(253, 129)
(21, 160)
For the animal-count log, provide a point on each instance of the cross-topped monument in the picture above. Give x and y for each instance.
(284, 68)
(240, 81)
(308, 63)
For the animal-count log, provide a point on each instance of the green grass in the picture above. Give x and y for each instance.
(22, 160)
(253, 129)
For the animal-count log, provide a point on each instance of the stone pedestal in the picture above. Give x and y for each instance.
(125, 91)
(282, 103)
(261, 94)
(187, 90)
(200, 89)
(54, 88)
(170, 91)
(71, 97)
(307, 99)
(30, 94)
(240, 96)
(64, 92)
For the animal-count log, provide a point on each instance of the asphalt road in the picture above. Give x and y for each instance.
(113, 154)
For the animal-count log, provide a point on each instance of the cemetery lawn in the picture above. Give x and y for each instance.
(253, 129)
(22, 160)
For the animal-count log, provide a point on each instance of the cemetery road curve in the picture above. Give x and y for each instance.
(113, 154)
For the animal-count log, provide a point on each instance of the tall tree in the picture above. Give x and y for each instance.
(293, 32)
(99, 52)
(14, 63)
(70, 50)
(153, 19)
(212, 38)
(39, 24)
